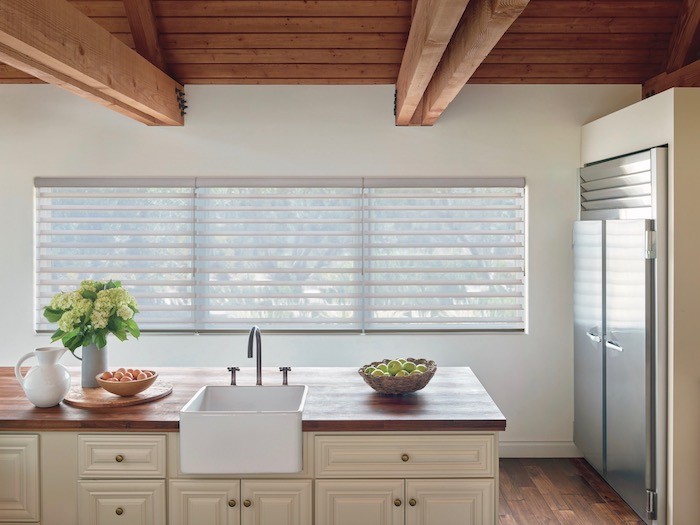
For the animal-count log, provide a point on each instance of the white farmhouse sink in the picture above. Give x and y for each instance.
(242, 429)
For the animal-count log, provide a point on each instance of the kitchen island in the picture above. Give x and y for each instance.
(422, 458)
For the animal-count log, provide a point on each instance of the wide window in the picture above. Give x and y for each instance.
(355, 254)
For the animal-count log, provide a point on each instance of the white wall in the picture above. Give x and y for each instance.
(531, 131)
(673, 118)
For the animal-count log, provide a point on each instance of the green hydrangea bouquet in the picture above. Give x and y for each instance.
(87, 315)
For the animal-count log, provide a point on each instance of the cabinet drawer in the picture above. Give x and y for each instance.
(121, 456)
(121, 502)
(405, 456)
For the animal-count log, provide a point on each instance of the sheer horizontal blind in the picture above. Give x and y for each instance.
(444, 258)
(286, 258)
(140, 235)
(353, 254)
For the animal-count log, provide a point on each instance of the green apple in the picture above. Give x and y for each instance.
(369, 370)
(401, 360)
(409, 366)
(377, 373)
(416, 372)
(401, 373)
(421, 368)
(382, 367)
(393, 367)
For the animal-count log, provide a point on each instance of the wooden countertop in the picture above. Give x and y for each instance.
(338, 400)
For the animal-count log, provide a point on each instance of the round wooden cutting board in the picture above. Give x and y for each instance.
(99, 398)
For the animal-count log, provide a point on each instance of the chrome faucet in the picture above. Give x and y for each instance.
(255, 332)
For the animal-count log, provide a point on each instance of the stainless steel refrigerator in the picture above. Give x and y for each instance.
(620, 326)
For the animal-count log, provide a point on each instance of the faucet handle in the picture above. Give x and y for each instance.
(285, 370)
(233, 370)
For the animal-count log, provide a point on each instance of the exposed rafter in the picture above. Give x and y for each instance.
(143, 27)
(685, 40)
(362, 42)
(688, 76)
(482, 26)
(53, 41)
(432, 26)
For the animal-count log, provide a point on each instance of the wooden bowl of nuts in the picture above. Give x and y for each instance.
(126, 381)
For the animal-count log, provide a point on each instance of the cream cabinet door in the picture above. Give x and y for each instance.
(204, 502)
(269, 502)
(360, 502)
(19, 478)
(121, 502)
(457, 502)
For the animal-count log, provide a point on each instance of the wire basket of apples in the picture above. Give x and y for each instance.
(398, 376)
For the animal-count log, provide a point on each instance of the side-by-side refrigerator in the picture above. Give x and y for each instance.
(620, 326)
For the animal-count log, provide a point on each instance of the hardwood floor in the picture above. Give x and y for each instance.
(558, 491)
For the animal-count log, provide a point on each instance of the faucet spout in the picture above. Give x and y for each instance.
(255, 333)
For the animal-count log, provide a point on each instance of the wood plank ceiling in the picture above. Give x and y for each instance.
(362, 41)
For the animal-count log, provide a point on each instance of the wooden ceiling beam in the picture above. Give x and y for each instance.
(55, 42)
(432, 26)
(143, 26)
(483, 24)
(685, 40)
(688, 76)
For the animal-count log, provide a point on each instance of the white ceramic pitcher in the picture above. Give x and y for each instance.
(47, 383)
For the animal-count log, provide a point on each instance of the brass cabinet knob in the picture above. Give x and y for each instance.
(397, 502)
(232, 503)
(412, 502)
(119, 458)
(119, 511)
(247, 503)
(404, 458)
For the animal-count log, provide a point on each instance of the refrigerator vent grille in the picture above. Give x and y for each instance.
(623, 185)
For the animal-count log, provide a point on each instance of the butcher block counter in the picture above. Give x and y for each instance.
(338, 400)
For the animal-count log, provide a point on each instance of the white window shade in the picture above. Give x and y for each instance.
(444, 258)
(142, 236)
(222, 254)
(280, 258)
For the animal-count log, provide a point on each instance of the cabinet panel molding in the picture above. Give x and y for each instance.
(210, 502)
(405, 456)
(121, 456)
(360, 502)
(118, 502)
(457, 502)
(284, 502)
(19, 472)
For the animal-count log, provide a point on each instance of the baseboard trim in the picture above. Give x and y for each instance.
(538, 449)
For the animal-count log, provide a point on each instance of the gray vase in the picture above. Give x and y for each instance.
(94, 362)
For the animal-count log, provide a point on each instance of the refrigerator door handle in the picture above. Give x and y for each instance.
(593, 336)
(612, 345)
